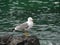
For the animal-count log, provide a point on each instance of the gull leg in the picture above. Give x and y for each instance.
(26, 33)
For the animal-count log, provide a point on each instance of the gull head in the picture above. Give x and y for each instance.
(30, 19)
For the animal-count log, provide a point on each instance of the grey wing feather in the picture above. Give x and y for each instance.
(22, 26)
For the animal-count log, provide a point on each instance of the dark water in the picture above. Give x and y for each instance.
(45, 13)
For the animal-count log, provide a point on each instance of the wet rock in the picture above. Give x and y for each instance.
(6, 39)
(19, 40)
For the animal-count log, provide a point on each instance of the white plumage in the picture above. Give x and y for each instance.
(26, 25)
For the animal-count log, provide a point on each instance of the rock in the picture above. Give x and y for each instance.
(6, 39)
(19, 40)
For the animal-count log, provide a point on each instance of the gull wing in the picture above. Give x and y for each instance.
(22, 26)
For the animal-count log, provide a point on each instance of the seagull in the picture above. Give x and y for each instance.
(26, 25)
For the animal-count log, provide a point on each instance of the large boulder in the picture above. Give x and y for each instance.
(19, 40)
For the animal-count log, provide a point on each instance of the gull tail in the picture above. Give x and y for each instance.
(13, 30)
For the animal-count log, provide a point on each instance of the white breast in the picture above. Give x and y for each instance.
(30, 24)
